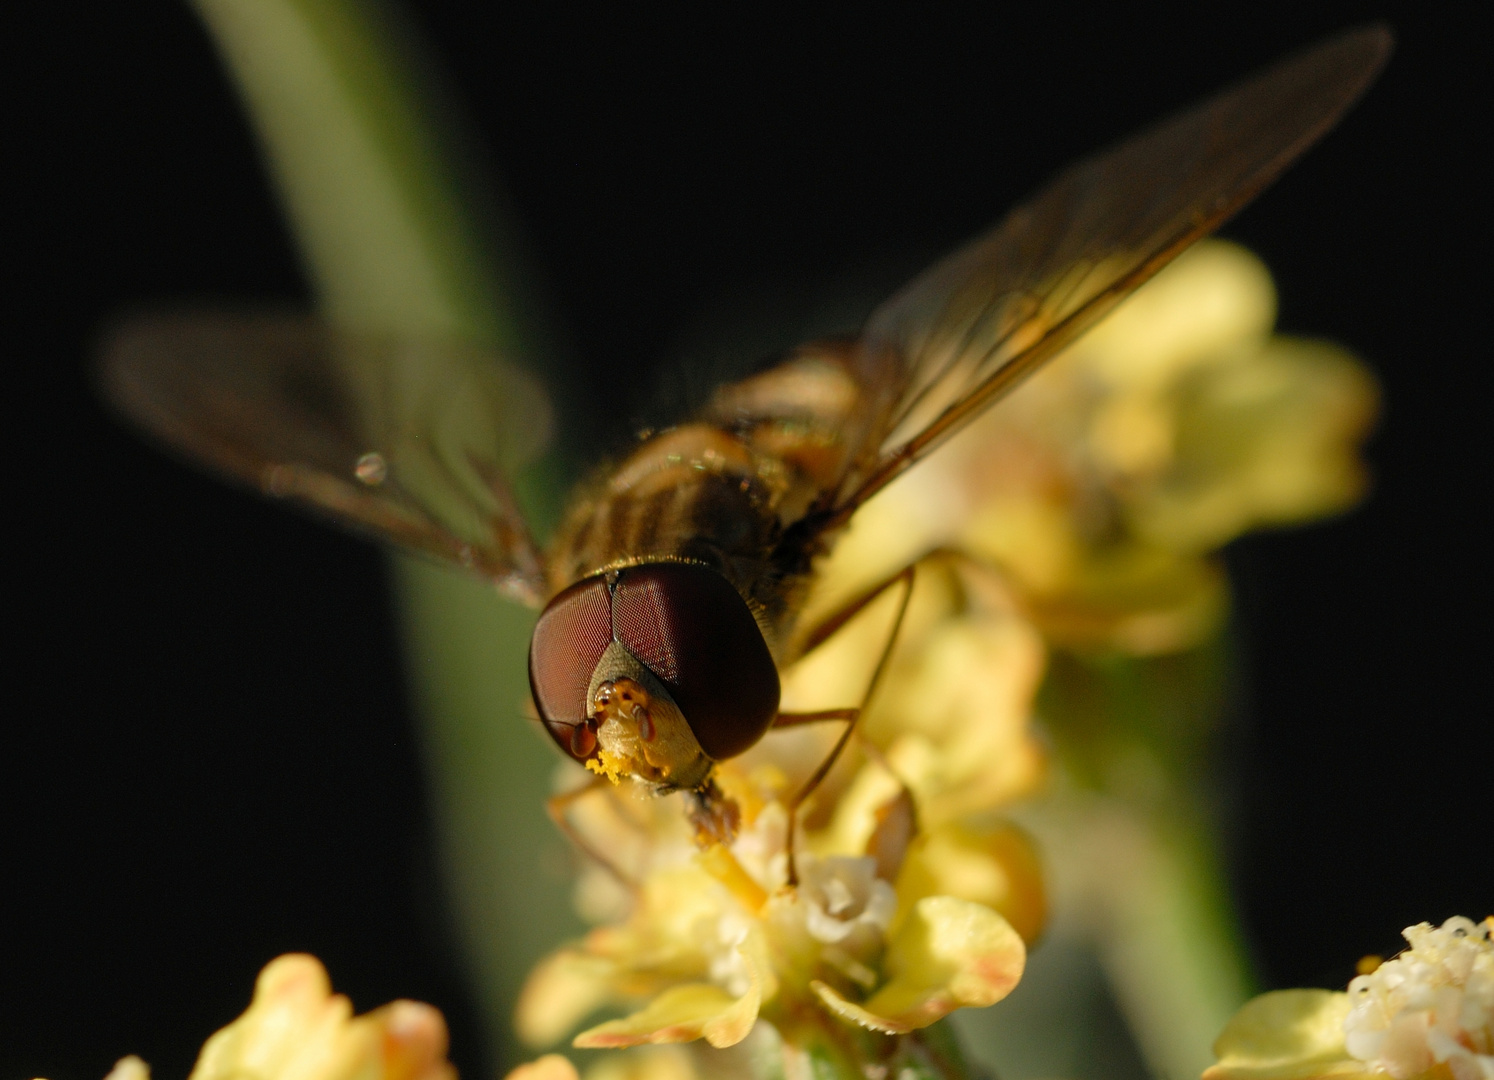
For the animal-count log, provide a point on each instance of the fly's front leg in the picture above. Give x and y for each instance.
(828, 627)
(850, 716)
(558, 807)
(799, 719)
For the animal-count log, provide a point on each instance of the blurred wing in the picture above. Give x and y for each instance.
(967, 330)
(412, 441)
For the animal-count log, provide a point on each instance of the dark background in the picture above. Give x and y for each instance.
(205, 753)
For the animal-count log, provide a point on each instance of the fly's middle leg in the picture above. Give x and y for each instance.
(850, 716)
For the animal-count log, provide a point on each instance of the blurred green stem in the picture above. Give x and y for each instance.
(1171, 946)
(391, 245)
(1132, 831)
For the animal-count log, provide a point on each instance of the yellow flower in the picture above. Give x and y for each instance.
(645, 1063)
(549, 1067)
(990, 863)
(641, 1063)
(951, 719)
(912, 900)
(715, 940)
(1083, 511)
(1102, 485)
(296, 1029)
(1428, 1014)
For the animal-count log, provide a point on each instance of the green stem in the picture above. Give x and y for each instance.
(391, 245)
(1170, 944)
(1136, 846)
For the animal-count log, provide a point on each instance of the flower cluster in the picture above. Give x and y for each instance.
(1428, 1014)
(887, 939)
(1101, 487)
(1175, 425)
(297, 1029)
(911, 900)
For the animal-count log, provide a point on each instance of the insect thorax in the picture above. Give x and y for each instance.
(724, 491)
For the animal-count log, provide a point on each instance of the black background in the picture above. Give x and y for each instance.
(205, 753)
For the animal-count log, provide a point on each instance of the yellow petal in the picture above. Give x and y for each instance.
(718, 861)
(129, 1068)
(1212, 296)
(1030, 537)
(995, 866)
(1269, 438)
(561, 991)
(855, 1014)
(1287, 1035)
(1140, 598)
(297, 1029)
(411, 1041)
(982, 671)
(1131, 434)
(294, 1027)
(549, 1067)
(949, 954)
(680, 1014)
(644, 1063)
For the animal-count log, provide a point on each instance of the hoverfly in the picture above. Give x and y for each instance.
(671, 591)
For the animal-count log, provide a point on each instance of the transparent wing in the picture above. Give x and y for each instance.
(968, 329)
(412, 441)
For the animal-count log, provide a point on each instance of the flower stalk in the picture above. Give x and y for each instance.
(392, 238)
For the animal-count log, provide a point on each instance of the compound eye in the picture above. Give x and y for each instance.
(568, 641)
(695, 632)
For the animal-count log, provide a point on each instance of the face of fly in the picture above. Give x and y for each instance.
(654, 671)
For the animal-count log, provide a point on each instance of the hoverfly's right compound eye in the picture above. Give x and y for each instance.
(568, 642)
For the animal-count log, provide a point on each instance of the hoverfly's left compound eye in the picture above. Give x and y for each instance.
(569, 639)
(695, 632)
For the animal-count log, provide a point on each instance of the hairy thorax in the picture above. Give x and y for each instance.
(725, 490)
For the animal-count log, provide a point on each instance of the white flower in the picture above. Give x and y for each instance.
(842, 894)
(1432, 1005)
(1426, 1015)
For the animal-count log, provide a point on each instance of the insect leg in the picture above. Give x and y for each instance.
(851, 716)
(799, 719)
(558, 807)
(897, 820)
(827, 627)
